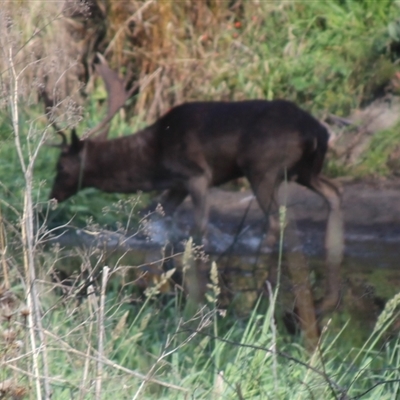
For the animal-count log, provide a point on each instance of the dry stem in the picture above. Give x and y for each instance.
(3, 249)
(100, 332)
(27, 233)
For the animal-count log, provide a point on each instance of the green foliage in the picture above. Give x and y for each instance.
(374, 160)
(78, 209)
(250, 358)
(12, 183)
(327, 56)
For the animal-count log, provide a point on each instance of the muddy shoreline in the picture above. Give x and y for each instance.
(371, 210)
(365, 203)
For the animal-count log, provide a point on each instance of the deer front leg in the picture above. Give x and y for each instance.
(160, 225)
(171, 199)
(197, 187)
(196, 278)
(264, 188)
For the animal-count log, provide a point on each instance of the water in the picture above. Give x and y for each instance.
(371, 258)
(370, 274)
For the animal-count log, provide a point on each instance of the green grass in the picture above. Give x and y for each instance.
(374, 160)
(327, 56)
(250, 357)
(106, 208)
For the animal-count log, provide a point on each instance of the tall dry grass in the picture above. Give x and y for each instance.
(178, 51)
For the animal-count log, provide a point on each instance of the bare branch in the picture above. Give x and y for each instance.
(49, 106)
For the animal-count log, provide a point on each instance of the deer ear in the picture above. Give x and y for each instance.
(76, 143)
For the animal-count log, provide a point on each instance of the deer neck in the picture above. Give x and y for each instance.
(122, 165)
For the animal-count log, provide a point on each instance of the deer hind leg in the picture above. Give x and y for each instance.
(300, 275)
(334, 239)
(266, 193)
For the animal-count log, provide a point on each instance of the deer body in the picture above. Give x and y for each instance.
(198, 145)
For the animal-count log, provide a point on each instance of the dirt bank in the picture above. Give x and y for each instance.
(365, 203)
(371, 213)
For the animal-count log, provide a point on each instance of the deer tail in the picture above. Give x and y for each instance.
(318, 146)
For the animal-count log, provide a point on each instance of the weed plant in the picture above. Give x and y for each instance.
(152, 350)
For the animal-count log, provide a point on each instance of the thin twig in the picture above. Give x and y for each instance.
(165, 354)
(267, 350)
(3, 250)
(112, 364)
(83, 390)
(100, 332)
(29, 374)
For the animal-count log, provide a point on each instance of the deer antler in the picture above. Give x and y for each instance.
(117, 97)
(49, 105)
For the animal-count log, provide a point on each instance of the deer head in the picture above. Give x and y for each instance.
(71, 163)
(69, 169)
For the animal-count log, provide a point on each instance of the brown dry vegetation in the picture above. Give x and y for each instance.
(172, 48)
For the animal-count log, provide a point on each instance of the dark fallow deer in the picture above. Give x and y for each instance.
(197, 145)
